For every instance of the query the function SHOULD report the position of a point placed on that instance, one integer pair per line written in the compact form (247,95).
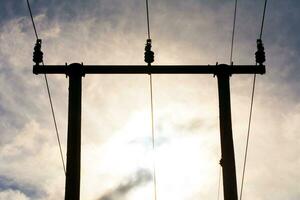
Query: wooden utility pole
(76,71)
(227,148)
(72,187)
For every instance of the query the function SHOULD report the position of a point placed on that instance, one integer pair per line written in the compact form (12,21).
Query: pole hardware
(37,53)
(260,56)
(149,55)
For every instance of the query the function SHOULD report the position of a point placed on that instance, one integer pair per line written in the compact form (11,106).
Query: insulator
(38,54)
(260,53)
(149,55)
(221,162)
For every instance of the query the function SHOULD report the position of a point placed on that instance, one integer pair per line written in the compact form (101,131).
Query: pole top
(75,69)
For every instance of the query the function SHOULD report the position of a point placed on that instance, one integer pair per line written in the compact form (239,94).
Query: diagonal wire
(33,24)
(251,108)
(49,94)
(55,124)
(248,136)
(263,19)
(233,32)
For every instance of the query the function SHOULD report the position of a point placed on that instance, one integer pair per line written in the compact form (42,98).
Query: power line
(251,108)
(219,184)
(231,55)
(149,60)
(49,94)
(263,20)
(248,136)
(33,24)
(153,138)
(55,124)
(233,31)
(148,20)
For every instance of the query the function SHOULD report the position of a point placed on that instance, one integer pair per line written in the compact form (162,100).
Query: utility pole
(227,148)
(72,187)
(76,71)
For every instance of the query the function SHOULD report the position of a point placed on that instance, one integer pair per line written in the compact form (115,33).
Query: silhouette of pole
(72,187)
(227,161)
(76,71)
(154,69)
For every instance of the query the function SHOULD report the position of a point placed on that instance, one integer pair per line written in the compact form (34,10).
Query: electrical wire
(148,20)
(152,109)
(33,24)
(233,32)
(251,109)
(219,184)
(230,60)
(49,94)
(55,124)
(153,138)
(263,19)
(248,136)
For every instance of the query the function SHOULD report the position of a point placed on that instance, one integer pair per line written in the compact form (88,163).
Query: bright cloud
(117,157)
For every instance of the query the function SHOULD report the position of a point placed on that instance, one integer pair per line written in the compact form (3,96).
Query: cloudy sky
(117,157)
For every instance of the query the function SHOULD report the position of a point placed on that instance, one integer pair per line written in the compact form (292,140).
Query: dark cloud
(66,10)
(141,177)
(12,9)
(193,28)
(30,191)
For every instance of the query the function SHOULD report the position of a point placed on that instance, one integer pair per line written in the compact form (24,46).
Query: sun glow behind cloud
(116,150)
(183,161)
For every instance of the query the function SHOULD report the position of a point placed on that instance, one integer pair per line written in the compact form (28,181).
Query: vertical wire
(231,62)
(49,94)
(153,138)
(219,184)
(148,20)
(152,109)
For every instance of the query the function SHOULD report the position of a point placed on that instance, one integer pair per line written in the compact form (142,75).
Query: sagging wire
(38,58)
(260,59)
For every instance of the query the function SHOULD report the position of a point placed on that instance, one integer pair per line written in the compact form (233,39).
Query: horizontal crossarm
(155,69)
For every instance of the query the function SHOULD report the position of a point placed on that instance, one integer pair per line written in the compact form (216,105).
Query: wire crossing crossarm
(155,69)
(76,71)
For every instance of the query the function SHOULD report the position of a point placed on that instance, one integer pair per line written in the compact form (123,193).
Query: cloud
(114,32)
(12,195)
(26,159)
(9,187)
(140,178)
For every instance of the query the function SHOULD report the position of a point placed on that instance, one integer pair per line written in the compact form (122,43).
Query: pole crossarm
(76,71)
(155,69)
